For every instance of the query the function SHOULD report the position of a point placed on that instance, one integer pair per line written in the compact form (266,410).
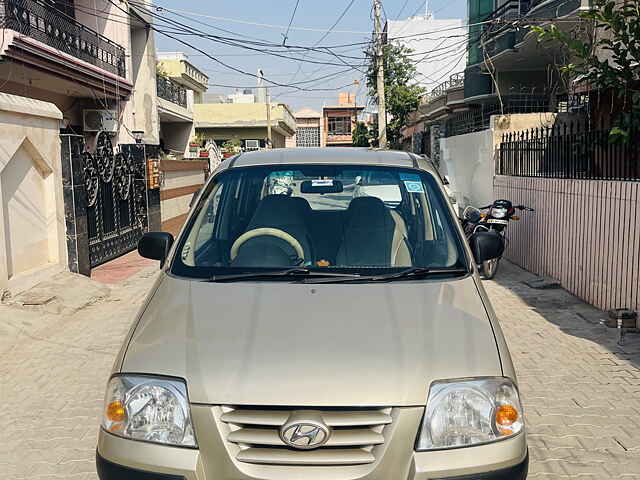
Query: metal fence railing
(454,81)
(569,150)
(169,90)
(41,21)
(478,117)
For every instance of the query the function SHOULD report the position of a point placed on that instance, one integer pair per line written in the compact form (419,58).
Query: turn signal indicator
(116,412)
(506,415)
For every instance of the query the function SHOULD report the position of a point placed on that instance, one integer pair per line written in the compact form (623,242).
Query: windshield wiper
(413,272)
(289,272)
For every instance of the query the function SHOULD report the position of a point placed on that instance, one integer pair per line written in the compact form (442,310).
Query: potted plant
(231,148)
(195,143)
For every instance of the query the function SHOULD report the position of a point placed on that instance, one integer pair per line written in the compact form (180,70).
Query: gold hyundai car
(307,324)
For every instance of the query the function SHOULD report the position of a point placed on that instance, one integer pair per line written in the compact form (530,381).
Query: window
(339,125)
(308,137)
(319,216)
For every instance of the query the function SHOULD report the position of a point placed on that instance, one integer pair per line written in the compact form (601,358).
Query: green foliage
(160,70)
(232,146)
(610,60)
(402,94)
(361,135)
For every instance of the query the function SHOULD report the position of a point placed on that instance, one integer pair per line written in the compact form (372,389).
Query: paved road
(581,390)
(53,370)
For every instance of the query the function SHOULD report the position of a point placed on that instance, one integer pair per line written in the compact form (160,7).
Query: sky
(310,14)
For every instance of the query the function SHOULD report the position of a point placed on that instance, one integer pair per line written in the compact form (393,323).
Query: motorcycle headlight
(498,212)
(150,409)
(470,412)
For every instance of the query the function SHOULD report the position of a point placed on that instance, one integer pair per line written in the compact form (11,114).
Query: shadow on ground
(569,313)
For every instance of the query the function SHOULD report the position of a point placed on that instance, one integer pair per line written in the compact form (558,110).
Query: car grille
(356,435)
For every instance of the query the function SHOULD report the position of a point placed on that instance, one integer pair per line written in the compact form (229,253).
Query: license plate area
(498,221)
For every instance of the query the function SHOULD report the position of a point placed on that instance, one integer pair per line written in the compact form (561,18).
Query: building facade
(309,132)
(180,85)
(80,128)
(339,121)
(507,72)
(438,46)
(245,124)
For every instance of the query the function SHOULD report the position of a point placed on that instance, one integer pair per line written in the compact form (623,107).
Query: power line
(245,44)
(404,5)
(232,42)
(262,51)
(386,17)
(326,34)
(335,24)
(256,24)
(230,67)
(286,34)
(317,47)
(184,29)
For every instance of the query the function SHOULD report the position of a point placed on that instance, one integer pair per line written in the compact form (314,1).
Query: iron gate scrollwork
(116,188)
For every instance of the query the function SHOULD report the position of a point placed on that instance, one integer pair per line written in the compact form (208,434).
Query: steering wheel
(270,232)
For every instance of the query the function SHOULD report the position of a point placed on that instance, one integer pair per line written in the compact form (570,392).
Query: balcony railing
(455,80)
(171,91)
(504,15)
(43,22)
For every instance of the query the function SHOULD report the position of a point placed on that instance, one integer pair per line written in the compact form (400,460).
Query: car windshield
(350,219)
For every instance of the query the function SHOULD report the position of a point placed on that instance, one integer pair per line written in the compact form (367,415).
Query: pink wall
(585,233)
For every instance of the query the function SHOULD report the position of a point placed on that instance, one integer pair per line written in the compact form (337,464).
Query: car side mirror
(193,197)
(358,180)
(486,246)
(155,245)
(471,214)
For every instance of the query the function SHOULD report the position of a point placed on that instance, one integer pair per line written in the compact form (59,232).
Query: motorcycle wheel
(490,268)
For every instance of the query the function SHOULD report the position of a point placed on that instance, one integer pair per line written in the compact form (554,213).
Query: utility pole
(269,120)
(382,107)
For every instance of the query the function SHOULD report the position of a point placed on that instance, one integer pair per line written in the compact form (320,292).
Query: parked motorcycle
(499,214)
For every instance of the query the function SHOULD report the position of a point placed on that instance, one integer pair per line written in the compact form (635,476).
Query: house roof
(307,113)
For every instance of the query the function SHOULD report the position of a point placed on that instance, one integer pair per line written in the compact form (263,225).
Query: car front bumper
(119,458)
(111,471)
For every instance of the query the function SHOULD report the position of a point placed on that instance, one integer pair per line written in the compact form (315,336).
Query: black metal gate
(115,183)
(106,199)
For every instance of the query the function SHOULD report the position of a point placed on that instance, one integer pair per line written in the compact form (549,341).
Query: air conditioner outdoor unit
(100,120)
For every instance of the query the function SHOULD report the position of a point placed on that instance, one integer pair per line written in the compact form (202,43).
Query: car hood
(283,343)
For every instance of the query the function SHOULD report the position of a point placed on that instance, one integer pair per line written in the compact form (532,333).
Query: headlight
(149,409)
(470,412)
(498,212)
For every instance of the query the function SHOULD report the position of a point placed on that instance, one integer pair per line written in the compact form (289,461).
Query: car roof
(329,156)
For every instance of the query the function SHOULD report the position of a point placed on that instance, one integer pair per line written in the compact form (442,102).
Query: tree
(402,94)
(361,135)
(609,60)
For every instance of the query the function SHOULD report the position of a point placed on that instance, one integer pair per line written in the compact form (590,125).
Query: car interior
(242,224)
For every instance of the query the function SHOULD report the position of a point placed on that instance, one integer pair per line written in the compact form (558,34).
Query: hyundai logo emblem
(304,435)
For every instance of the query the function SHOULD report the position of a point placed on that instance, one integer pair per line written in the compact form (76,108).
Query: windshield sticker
(411,177)
(322,183)
(414,187)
